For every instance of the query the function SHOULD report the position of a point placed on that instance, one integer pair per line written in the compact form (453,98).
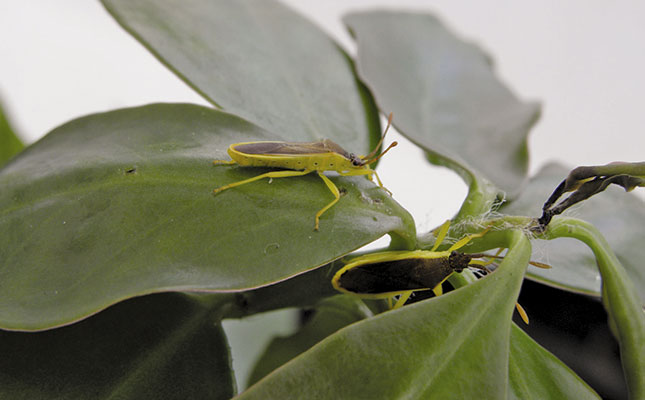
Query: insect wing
(395,275)
(290,148)
(334,148)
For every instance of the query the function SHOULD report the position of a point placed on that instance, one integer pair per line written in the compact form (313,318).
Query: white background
(582,59)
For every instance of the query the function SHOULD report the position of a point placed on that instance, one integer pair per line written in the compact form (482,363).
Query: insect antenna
(476,263)
(380,155)
(370,158)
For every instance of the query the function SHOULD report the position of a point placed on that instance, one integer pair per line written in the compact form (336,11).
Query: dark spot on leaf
(131,170)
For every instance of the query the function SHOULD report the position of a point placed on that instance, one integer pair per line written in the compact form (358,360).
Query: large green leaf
(120,204)
(329,315)
(451,346)
(304,290)
(537,374)
(9,142)
(259,60)
(618,215)
(444,95)
(164,346)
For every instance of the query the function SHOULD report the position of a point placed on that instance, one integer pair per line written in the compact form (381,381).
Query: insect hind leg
(273,174)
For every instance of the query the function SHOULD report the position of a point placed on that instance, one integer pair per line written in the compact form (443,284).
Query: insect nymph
(299,159)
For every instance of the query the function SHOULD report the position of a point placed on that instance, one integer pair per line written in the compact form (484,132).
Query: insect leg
(402,299)
(404,296)
(379,182)
(441,235)
(332,187)
(369,173)
(377,178)
(273,174)
(224,162)
(522,313)
(464,241)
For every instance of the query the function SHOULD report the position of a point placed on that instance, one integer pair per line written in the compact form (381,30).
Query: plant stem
(623,305)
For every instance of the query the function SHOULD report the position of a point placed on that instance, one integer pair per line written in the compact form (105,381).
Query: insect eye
(356,161)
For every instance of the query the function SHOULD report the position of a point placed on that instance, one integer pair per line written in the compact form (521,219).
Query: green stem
(480,198)
(619,168)
(481,193)
(619,298)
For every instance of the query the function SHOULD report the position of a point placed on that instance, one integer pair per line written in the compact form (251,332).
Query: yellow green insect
(299,159)
(388,274)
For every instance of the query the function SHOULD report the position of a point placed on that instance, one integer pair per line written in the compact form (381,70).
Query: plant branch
(585,182)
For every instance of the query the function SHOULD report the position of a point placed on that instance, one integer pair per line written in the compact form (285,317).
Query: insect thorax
(459,261)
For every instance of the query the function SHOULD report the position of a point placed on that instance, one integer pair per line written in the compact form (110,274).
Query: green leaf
(619,216)
(444,95)
(328,316)
(537,374)
(303,290)
(165,346)
(451,346)
(10,145)
(120,204)
(261,61)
